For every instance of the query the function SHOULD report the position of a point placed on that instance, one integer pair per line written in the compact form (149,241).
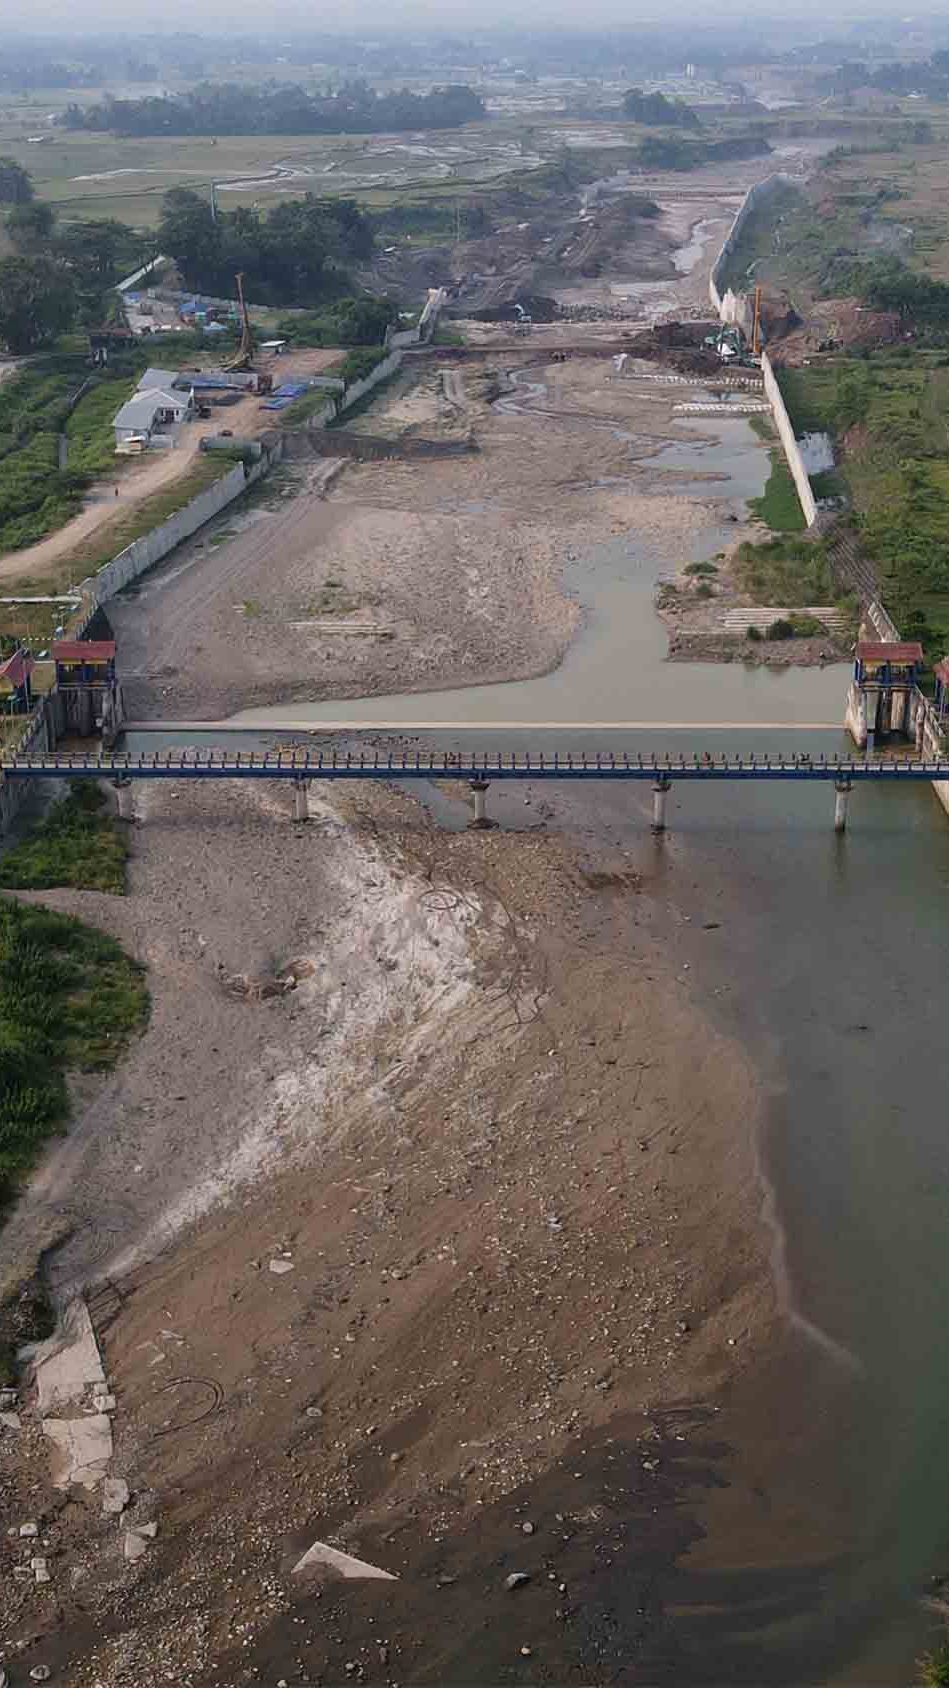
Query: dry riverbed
(425,1210)
(416,574)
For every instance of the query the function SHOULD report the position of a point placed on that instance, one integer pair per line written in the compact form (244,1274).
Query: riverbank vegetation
(36,407)
(76,843)
(779,506)
(70,1000)
(888,413)
(791,572)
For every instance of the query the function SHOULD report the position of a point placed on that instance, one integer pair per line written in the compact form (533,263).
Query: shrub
(781,629)
(700,568)
(76,844)
(935,1667)
(755,635)
(704,590)
(69,999)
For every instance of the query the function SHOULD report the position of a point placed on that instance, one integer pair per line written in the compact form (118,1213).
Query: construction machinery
(756,325)
(245,350)
(732,347)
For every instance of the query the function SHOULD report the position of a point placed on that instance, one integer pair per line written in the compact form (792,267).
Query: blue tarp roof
(291,389)
(277,404)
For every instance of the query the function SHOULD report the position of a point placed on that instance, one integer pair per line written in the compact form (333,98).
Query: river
(830,968)
(827,961)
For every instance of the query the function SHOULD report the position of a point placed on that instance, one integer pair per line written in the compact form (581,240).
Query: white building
(149,412)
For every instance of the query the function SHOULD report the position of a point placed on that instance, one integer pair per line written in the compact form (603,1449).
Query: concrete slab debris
(343,1563)
(281,1266)
(84,1446)
(68,1362)
(29,1529)
(138,1538)
(40,1569)
(115,1494)
(10,1421)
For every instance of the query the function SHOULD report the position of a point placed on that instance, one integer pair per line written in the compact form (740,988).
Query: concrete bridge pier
(660,798)
(479,821)
(842,789)
(301,800)
(123,798)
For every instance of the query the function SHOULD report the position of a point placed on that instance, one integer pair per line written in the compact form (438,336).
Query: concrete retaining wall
(382,371)
(144,553)
(36,736)
(782,422)
(739,308)
(426,325)
(882,624)
(721,296)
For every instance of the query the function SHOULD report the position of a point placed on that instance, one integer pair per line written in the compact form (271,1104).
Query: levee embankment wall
(145,552)
(739,308)
(792,451)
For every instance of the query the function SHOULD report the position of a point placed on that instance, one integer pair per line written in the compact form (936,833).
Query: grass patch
(70,1000)
(36,495)
(790,572)
(890,412)
(307,405)
(75,844)
(131,523)
(779,506)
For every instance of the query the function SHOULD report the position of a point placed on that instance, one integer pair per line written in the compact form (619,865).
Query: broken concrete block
(68,1362)
(150,1529)
(29,1529)
(278,1267)
(115,1494)
(343,1563)
(135,1545)
(103,1403)
(84,1446)
(40,1570)
(10,1421)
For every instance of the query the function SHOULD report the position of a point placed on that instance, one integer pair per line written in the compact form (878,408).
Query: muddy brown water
(822,1512)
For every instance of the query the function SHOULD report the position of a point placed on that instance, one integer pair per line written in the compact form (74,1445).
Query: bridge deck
(551,765)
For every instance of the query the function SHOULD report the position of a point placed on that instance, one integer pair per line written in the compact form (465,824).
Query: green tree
(37,302)
(16,187)
(30,225)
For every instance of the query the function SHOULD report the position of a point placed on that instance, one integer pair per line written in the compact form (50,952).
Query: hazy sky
(244,16)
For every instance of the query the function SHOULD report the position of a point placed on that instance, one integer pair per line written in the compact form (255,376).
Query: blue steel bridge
(478,768)
(475,766)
